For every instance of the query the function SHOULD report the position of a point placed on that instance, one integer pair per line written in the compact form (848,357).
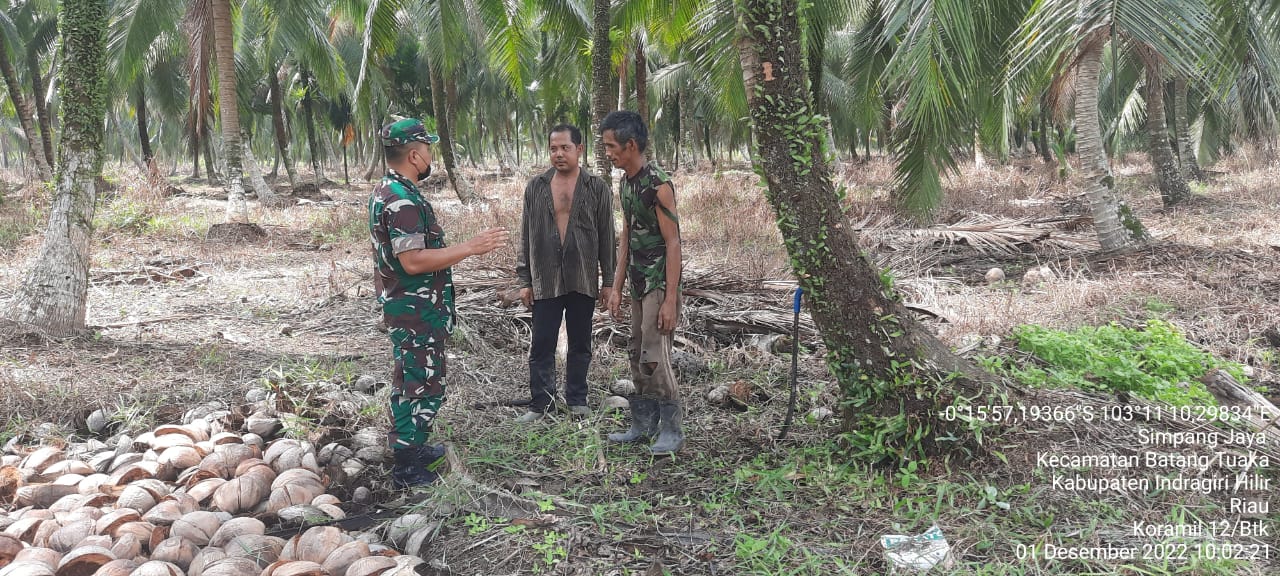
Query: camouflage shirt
(639,199)
(418,308)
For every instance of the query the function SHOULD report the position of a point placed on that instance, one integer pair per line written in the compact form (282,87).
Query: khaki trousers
(650,350)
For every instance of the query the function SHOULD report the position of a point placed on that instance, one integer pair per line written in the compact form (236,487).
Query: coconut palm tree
(601,81)
(1074,36)
(198,24)
(146,61)
(52,296)
(1173,187)
(229,110)
(448,29)
(25,106)
(870,335)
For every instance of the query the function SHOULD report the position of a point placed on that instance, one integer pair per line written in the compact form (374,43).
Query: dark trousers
(576,311)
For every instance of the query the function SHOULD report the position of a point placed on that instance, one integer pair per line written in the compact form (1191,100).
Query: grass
(18,219)
(1155,362)
(340,225)
(807,509)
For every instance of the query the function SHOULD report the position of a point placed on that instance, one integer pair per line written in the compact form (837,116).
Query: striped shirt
(553,268)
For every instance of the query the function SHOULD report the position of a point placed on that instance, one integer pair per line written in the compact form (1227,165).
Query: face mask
(424,174)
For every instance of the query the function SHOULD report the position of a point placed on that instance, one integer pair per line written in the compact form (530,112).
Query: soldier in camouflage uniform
(650,244)
(413,269)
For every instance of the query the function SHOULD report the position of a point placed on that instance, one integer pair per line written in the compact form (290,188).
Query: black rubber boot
(644,421)
(670,429)
(431,455)
(410,469)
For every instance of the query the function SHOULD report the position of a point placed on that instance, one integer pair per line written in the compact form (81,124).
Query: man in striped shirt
(566,248)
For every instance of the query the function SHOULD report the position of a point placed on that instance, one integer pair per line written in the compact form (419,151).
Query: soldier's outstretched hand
(487,241)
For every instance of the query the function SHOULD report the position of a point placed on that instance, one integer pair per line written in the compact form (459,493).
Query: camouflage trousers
(417,391)
(650,350)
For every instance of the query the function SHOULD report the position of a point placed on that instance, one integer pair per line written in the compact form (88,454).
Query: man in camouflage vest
(650,243)
(413,269)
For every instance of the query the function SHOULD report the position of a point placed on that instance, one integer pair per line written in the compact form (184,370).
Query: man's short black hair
(397,153)
(575,135)
(626,125)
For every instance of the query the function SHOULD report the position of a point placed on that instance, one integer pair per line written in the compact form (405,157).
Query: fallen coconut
(9,547)
(236,527)
(623,387)
(157,568)
(204,559)
(47,556)
(176,551)
(304,515)
(27,569)
(344,556)
(117,567)
(295,568)
(84,561)
(614,404)
(69,536)
(261,549)
(197,527)
(371,566)
(41,458)
(820,414)
(128,545)
(315,544)
(231,566)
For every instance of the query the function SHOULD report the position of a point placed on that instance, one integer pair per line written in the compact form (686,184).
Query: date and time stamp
(1207,457)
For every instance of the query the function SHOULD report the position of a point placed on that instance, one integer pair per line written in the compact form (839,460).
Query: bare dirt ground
(178,319)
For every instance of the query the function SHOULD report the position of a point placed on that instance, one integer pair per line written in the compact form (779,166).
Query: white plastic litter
(919,553)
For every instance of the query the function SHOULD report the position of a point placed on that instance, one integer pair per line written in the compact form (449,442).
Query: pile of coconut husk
(216,495)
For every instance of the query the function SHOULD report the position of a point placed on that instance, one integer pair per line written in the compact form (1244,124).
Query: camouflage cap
(406,130)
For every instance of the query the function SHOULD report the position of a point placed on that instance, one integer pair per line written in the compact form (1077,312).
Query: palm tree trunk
(24,112)
(1182,125)
(1173,188)
(1115,223)
(206,146)
(375,158)
(979,160)
(265,194)
(1042,138)
(154,177)
(195,154)
(601,87)
(623,92)
(42,111)
(277,122)
(229,107)
(451,102)
(677,121)
(53,294)
(140,110)
(440,105)
(642,82)
(706,143)
(868,332)
(310,123)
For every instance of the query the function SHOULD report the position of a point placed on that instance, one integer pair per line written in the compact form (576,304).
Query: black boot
(431,455)
(644,421)
(670,429)
(410,469)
